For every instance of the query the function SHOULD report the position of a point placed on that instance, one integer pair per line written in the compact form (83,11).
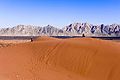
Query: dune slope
(61,59)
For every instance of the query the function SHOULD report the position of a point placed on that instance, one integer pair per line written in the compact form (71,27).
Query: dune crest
(45,38)
(61,59)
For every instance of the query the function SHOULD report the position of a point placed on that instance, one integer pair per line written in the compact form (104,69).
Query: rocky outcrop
(22,30)
(76,29)
(102,30)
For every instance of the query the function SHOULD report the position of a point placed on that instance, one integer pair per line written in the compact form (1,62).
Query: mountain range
(75,29)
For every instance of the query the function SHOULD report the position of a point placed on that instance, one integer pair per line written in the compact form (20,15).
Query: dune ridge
(61,59)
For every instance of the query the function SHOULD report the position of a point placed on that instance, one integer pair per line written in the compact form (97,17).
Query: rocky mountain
(76,29)
(93,30)
(23,30)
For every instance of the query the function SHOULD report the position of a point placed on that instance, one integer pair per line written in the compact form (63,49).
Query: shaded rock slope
(76,29)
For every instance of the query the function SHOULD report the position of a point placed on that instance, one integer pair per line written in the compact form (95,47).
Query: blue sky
(58,13)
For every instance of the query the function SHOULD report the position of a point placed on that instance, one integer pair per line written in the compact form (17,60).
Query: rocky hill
(93,30)
(23,30)
(76,29)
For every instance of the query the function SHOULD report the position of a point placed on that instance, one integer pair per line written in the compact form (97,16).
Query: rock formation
(93,30)
(76,29)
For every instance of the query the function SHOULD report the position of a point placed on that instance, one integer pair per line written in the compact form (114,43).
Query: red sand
(6,43)
(61,59)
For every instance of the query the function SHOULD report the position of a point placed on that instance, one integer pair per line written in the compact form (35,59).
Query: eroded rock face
(93,30)
(76,29)
(22,30)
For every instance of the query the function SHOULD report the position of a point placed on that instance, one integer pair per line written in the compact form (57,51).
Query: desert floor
(49,58)
(6,43)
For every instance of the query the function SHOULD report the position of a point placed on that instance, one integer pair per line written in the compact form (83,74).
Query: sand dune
(61,59)
(45,38)
(6,43)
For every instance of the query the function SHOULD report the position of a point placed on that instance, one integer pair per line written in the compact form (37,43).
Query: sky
(58,13)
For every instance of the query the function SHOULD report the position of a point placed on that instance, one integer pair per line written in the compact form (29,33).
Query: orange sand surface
(6,43)
(61,59)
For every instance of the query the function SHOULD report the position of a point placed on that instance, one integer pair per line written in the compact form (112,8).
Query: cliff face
(93,30)
(76,29)
(22,30)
